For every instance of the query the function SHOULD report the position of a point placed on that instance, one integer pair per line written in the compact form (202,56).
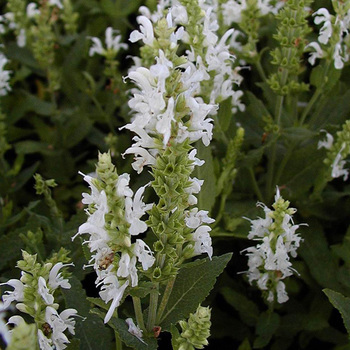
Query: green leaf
(267,325)
(143,289)
(245,345)
(130,340)
(192,286)
(341,303)
(175,334)
(225,114)
(74,345)
(247,309)
(318,257)
(206,197)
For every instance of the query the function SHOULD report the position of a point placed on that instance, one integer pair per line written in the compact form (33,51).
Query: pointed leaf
(341,303)
(266,327)
(192,286)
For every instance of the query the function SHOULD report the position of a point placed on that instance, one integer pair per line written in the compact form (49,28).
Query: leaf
(225,114)
(143,289)
(319,259)
(245,345)
(91,331)
(175,334)
(76,129)
(266,327)
(206,197)
(130,340)
(247,309)
(341,303)
(192,286)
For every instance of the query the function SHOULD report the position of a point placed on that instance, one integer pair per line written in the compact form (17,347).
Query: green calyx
(195,331)
(291,35)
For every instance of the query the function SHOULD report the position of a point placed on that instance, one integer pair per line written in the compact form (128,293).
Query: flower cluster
(34,295)
(168,115)
(337,152)
(195,331)
(114,213)
(269,261)
(333,38)
(4,76)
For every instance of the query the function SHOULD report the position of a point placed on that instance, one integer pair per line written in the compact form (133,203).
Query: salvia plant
(174,174)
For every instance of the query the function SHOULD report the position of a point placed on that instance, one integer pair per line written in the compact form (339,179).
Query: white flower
(127,267)
(144,254)
(338,166)
(134,330)
(142,158)
(4,331)
(122,186)
(57,3)
(322,16)
(4,76)
(164,121)
(32,10)
(59,323)
(22,38)
(202,241)
(55,278)
(318,53)
(113,43)
(146,31)
(44,343)
(15,295)
(195,218)
(328,143)
(112,290)
(44,291)
(195,187)
(282,296)
(134,209)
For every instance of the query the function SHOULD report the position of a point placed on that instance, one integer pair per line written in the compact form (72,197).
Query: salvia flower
(34,294)
(269,261)
(4,76)
(112,41)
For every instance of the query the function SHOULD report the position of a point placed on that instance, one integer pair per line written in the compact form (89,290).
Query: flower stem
(138,312)
(255,185)
(118,342)
(152,311)
(165,299)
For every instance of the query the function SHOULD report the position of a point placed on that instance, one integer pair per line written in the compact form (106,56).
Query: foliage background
(58,133)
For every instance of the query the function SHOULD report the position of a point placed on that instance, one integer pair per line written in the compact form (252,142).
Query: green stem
(118,342)
(260,70)
(255,185)
(314,98)
(138,312)
(221,209)
(316,94)
(284,163)
(152,310)
(270,171)
(165,299)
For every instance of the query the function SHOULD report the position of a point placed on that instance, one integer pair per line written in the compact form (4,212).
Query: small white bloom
(144,254)
(322,16)
(44,291)
(44,343)
(202,241)
(55,278)
(15,295)
(282,295)
(122,186)
(318,53)
(4,331)
(327,143)
(57,3)
(338,166)
(32,10)
(4,76)
(146,31)
(127,267)
(134,330)
(112,290)
(195,218)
